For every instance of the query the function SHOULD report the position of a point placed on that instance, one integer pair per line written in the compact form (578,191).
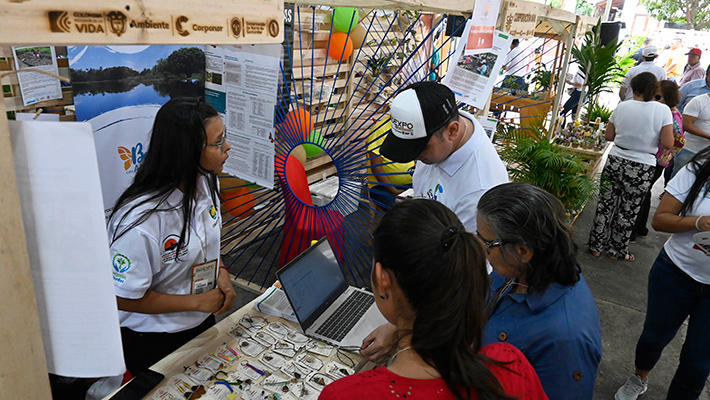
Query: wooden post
(24,363)
(561,82)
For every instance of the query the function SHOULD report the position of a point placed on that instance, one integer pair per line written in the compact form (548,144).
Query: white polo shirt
(680,247)
(645,66)
(144,258)
(698,107)
(459,181)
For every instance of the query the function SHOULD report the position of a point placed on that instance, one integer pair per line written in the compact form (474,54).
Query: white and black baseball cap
(418,111)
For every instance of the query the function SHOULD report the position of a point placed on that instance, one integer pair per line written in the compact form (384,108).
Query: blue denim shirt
(690,90)
(559,332)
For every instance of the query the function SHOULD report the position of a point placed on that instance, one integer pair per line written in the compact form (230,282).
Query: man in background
(693,89)
(515,66)
(649,54)
(693,70)
(674,62)
(638,55)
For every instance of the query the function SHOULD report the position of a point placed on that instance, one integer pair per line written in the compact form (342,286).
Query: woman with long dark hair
(636,127)
(429,280)
(164,235)
(679,285)
(540,302)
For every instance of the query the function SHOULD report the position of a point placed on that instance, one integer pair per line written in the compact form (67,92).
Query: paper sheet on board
(241,82)
(36,87)
(471,77)
(62,209)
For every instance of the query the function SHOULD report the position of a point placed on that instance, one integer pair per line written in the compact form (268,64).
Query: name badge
(204,277)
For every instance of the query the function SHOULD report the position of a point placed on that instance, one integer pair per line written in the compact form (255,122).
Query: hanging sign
(483,22)
(519,18)
(143,21)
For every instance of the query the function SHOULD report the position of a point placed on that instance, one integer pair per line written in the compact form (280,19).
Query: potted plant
(598,64)
(534,158)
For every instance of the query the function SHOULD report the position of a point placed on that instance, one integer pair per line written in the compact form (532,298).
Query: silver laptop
(326,307)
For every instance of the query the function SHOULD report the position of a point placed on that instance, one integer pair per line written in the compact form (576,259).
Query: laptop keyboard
(346,316)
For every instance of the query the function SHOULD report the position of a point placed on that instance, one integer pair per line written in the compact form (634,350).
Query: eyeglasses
(491,243)
(219,144)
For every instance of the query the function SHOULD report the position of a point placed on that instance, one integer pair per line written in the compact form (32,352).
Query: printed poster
(118,90)
(36,87)
(242,83)
(472,76)
(481,31)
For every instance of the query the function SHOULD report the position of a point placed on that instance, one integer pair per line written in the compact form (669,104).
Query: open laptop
(326,307)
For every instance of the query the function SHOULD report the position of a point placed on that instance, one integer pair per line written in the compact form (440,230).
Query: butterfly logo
(133,157)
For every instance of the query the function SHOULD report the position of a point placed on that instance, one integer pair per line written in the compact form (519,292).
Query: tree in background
(693,12)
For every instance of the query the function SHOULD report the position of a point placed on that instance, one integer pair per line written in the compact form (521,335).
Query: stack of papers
(274,302)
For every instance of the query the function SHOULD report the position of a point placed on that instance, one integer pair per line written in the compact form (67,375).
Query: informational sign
(36,87)
(480,31)
(137,21)
(241,83)
(119,89)
(519,18)
(489,125)
(472,76)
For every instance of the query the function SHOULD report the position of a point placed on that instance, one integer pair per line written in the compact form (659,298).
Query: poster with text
(242,83)
(118,90)
(34,86)
(472,76)
(480,33)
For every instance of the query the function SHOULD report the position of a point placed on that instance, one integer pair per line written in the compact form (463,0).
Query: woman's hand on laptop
(379,344)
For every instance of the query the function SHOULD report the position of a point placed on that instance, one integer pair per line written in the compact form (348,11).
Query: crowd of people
(477,277)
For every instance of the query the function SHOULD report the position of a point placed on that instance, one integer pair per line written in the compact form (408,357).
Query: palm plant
(532,157)
(598,64)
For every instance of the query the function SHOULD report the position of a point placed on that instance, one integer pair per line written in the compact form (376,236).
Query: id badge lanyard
(204,275)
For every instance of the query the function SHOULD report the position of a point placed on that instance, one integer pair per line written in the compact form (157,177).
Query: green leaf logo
(121,263)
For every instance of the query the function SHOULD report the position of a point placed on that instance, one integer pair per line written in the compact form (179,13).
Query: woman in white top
(635,127)
(679,285)
(165,236)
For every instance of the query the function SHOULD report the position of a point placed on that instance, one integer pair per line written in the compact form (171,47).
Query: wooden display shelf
(529,109)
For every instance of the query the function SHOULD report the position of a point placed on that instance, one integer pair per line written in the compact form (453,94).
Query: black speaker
(610,32)
(455,25)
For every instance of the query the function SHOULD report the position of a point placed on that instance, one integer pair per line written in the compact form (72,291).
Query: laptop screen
(312,282)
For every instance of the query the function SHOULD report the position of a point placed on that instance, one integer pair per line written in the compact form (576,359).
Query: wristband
(697,221)
(222,266)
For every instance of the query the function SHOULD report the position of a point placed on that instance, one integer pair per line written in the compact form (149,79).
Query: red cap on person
(695,51)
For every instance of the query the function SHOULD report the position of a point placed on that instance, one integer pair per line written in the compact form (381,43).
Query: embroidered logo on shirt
(432,194)
(213,212)
(121,263)
(170,244)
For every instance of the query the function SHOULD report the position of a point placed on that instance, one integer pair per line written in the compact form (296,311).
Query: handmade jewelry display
(266,360)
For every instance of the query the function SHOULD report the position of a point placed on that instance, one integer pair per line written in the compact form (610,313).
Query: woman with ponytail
(429,280)
(539,303)
(636,127)
(164,235)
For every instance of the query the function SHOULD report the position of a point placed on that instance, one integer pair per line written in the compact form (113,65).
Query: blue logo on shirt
(433,194)
(121,263)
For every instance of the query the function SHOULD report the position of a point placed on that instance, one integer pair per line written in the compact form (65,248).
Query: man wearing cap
(638,55)
(650,53)
(456,162)
(693,70)
(693,89)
